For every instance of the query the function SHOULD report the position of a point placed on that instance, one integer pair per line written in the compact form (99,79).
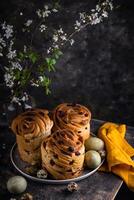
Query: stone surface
(98,186)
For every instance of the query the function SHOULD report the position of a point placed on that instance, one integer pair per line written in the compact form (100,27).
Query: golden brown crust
(74,117)
(31,127)
(63,154)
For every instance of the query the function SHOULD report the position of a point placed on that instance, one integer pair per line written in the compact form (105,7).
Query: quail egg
(92,159)
(16,184)
(94,143)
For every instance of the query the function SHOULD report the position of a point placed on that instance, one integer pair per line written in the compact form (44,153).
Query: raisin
(60,142)
(55,156)
(69,170)
(71,149)
(27,141)
(28,152)
(70,163)
(61,113)
(65,152)
(54,136)
(41,113)
(77,153)
(29,119)
(52,162)
(81,113)
(36,148)
(44,145)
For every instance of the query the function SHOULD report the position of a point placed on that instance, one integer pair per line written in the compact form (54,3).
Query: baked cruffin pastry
(74,117)
(63,154)
(31,127)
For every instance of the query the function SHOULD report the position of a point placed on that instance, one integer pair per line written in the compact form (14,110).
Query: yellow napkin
(119,152)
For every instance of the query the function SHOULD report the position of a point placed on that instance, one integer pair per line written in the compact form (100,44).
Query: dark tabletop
(99,186)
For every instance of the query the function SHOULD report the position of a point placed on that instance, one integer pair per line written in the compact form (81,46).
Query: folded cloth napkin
(119,152)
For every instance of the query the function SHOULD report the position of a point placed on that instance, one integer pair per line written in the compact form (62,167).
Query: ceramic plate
(21,167)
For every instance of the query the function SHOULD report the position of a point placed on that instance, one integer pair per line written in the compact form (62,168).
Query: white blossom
(49,50)
(9,79)
(77,25)
(98,8)
(60,31)
(105,14)
(72,42)
(46,7)
(111,5)
(96,20)
(34,84)
(29,22)
(3,25)
(93,10)
(56,46)
(1,54)
(55,10)
(82,17)
(2,42)
(43,27)
(23,98)
(8,30)
(46,13)
(55,37)
(11,44)
(63,37)
(16,65)
(41,79)
(11,54)
(15,100)
(25,48)
(21,13)
(39,13)
(43,13)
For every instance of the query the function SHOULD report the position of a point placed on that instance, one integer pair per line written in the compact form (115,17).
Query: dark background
(98,70)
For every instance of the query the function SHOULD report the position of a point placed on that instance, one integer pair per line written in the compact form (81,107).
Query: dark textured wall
(98,70)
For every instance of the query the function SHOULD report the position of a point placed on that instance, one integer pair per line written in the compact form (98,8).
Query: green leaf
(57,53)
(17,74)
(50,64)
(41,69)
(33,57)
(47,90)
(21,55)
(53,61)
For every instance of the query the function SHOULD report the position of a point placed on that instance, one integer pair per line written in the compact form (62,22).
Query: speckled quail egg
(102,153)
(94,143)
(92,159)
(16,184)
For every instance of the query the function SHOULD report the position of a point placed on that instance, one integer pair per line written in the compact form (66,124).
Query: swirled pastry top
(63,154)
(71,116)
(32,123)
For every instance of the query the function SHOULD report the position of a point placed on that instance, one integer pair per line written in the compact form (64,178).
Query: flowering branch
(96,16)
(27,66)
